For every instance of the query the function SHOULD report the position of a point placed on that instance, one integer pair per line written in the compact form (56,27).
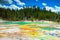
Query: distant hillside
(27,13)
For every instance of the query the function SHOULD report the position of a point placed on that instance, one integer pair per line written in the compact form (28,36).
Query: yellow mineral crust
(30,31)
(3,35)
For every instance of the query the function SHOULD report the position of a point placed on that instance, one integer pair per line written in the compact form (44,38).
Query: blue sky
(54,5)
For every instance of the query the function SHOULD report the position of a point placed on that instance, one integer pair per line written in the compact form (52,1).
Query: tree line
(28,13)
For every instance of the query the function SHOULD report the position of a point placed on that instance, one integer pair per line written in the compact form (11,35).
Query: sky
(53,5)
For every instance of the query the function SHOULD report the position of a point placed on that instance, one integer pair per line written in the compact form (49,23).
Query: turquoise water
(49,28)
(16,22)
(25,23)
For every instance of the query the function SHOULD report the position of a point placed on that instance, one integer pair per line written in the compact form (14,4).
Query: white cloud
(10,1)
(57,7)
(13,6)
(44,4)
(50,8)
(6,1)
(3,6)
(19,2)
(53,9)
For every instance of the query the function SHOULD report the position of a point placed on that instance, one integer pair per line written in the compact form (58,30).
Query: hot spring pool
(30,31)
